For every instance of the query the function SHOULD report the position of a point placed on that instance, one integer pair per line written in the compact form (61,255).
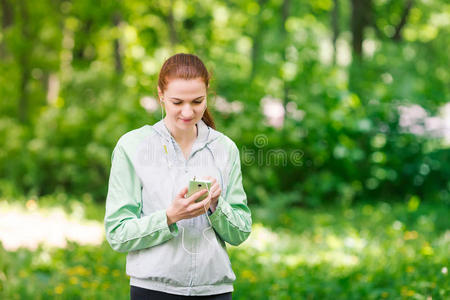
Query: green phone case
(198,185)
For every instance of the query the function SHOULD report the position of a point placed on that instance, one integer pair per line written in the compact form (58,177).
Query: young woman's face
(184,101)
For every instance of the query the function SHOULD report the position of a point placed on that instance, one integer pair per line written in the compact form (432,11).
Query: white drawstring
(204,230)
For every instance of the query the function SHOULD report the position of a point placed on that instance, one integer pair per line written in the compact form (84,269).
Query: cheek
(172,110)
(201,109)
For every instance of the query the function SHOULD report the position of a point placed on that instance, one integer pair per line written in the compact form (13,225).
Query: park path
(28,226)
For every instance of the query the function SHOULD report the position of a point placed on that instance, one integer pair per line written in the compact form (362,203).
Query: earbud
(162,110)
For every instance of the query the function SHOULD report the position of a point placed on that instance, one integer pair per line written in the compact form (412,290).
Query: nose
(187,112)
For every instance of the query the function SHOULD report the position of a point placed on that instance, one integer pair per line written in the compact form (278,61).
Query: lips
(186,120)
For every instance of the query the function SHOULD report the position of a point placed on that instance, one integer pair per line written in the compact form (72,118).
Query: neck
(181,136)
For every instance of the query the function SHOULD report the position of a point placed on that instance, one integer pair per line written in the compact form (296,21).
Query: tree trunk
(335,26)
(7,20)
(357,26)
(23,59)
(284,17)
(81,37)
(172,29)
(361,18)
(116,46)
(8,13)
(256,45)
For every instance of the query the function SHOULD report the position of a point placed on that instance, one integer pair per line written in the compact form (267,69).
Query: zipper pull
(169,163)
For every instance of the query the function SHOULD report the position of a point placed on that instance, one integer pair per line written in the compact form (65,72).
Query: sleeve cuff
(222,209)
(173,228)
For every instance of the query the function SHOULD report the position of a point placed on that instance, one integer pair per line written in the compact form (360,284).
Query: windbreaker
(148,170)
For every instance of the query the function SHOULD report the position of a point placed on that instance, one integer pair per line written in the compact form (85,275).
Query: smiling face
(184,102)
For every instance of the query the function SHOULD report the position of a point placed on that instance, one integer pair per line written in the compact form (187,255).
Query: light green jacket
(148,170)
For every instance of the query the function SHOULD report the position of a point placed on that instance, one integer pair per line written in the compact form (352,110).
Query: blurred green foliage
(72,78)
(368,251)
(73,74)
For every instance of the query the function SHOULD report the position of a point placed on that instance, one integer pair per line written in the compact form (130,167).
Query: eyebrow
(184,100)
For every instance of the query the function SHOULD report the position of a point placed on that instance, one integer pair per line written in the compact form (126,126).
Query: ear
(160,94)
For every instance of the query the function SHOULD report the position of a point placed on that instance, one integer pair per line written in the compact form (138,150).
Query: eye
(177,103)
(198,102)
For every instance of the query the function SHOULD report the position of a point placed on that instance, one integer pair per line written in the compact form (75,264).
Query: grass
(370,251)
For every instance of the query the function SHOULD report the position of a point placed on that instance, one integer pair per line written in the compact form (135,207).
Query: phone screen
(197,185)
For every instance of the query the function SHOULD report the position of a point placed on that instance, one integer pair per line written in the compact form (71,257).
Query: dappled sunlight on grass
(292,250)
(29,225)
(371,251)
(379,251)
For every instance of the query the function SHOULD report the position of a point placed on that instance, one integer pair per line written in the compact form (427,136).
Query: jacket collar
(205,134)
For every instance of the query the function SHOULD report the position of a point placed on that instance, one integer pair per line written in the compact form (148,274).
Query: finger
(217,191)
(212,179)
(207,200)
(198,208)
(196,195)
(205,204)
(183,192)
(216,194)
(214,188)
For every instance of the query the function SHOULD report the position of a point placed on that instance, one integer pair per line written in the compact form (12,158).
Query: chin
(186,125)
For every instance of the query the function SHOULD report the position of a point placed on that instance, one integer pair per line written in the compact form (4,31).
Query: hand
(214,191)
(186,208)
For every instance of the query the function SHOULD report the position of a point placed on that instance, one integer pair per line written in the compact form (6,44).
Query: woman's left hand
(215,192)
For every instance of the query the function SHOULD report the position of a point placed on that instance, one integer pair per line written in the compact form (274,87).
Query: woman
(147,205)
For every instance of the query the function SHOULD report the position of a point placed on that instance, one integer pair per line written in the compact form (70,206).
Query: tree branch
(398,29)
(335,25)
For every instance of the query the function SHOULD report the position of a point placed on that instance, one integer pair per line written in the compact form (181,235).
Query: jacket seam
(139,237)
(231,223)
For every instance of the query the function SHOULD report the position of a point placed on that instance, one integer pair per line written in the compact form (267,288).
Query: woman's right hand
(186,208)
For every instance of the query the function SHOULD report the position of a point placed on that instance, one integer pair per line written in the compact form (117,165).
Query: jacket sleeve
(232,218)
(125,229)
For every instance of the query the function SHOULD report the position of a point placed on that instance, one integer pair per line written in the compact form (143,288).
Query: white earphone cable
(204,205)
(204,230)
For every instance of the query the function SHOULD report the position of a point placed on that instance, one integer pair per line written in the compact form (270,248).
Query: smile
(186,120)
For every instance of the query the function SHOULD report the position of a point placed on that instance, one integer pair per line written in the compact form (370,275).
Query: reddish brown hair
(186,66)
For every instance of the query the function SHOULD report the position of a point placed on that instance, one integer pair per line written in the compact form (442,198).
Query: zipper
(178,152)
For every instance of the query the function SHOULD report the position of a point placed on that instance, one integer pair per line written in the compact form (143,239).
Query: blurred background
(340,108)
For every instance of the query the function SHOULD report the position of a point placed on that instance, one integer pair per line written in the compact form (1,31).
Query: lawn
(369,251)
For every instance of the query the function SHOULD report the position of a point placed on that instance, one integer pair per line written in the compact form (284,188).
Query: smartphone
(196,185)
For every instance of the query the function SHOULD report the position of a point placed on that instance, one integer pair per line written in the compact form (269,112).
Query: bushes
(379,251)
(324,158)
(364,155)
(69,147)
